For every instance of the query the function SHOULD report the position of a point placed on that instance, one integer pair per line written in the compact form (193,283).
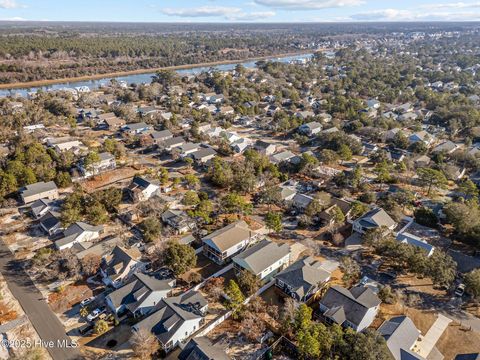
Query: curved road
(48,326)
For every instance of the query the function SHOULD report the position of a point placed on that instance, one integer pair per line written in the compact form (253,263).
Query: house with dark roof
(373,219)
(39,208)
(78,232)
(265,148)
(175,319)
(119,265)
(50,223)
(159,136)
(171,143)
(263,259)
(141,189)
(401,335)
(228,241)
(178,220)
(203,155)
(355,308)
(202,348)
(135,128)
(39,190)
(302,279)
(140,295)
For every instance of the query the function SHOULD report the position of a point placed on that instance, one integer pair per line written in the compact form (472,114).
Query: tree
(350,269)
(214,287)
(472,283)
(468,188)
(303,317)
(368,345)
(91,160)
(425,216)
(386,295)
(345,152)
(234,203)
(358,209)
(252,327)
(150,228)
(84,311)
(432,178)
(235,298)
(248,282)
(442,268)
(101,327)
(179,257)
(191,180)
(97,214)
(190,198)
(90,264)
(63,179)
(273,221)
(144,343)
(193,278)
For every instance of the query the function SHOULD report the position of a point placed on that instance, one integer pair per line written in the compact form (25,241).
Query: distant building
(39,190)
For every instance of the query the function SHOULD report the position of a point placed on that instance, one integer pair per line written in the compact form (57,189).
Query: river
(138,78)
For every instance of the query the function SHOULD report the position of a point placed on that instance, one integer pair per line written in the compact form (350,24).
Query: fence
(217,274)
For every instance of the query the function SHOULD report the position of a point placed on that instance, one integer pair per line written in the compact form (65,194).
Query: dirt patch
(6,314)
(62,301)
(458,340)
(423,320)
(102,180)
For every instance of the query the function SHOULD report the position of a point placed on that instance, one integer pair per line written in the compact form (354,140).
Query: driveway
(425,346)
(45,322)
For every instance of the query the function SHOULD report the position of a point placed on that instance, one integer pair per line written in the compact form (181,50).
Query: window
(280,283)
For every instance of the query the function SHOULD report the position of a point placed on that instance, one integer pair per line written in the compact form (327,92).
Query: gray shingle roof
(230,235)
(399,333)
(262,255)
(38,188)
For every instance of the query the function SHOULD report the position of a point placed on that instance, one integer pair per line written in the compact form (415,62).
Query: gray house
(355,308)
(401,335)
(373,219)
(140,295)
(302,279)
(39,190)
(175,319)
(264,259)
(202,348)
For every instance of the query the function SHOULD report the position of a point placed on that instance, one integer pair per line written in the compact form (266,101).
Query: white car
(87,301)
(460,290)
(94,314)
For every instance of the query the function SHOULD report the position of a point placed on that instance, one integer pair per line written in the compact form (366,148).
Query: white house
(39,190)
(78,232)
(228,241)
(140,295)
(310,128)
(264,259)
(355,308)
(141,189)
(175,319)
(119,265)
(107,162)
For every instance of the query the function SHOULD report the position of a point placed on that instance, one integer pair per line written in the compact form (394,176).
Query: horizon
(240,11)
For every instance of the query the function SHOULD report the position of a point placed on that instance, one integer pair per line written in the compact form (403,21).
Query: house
(202,348)
(265,148)
(141,189)
(50,223)
(301,201)
(284,156)
(413,240)
(263,259)
(175,319)
(228,241)
(39,190)
(39,208)
(203,155)
(147,110)
(100,249)
(241,145)
(78,232)
(186,149)
(302,279)
(136,128)
(140,295)
(373,103)
(310,128)
(66,144)
(119,265)
(330,214)
(160,136)
(178,220)
(114,123)
(226,110)
(401,334)
(171,143)
(355,308)
(373,219)
(422,161)
(107,162)
(446,147)
(421,136)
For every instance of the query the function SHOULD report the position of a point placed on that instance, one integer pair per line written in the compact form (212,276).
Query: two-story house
(175,319)
(107,162)
(141,189)
(264,259)
(119,265)
(140,295)
(228,241)
(373,219)
(39,190)
(78,232)
(355,308)
(302,279)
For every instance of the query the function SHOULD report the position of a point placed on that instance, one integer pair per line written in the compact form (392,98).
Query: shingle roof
(302,275)
(400,333)
(37,188)
(230,235)
(262,255)
(202,348)
(376,218)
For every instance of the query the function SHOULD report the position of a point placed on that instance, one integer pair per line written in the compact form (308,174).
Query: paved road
(45,322)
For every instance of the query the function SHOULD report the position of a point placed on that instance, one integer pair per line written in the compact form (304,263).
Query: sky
(239,10)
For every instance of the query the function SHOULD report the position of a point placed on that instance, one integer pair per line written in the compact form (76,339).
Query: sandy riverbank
(39,83)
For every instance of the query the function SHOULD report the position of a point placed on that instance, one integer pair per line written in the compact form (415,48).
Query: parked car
(87,301)
(460,290)
(95,314)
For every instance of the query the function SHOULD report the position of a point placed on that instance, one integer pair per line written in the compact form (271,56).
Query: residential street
(41,316)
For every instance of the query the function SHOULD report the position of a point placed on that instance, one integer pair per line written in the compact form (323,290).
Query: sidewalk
(425,344)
